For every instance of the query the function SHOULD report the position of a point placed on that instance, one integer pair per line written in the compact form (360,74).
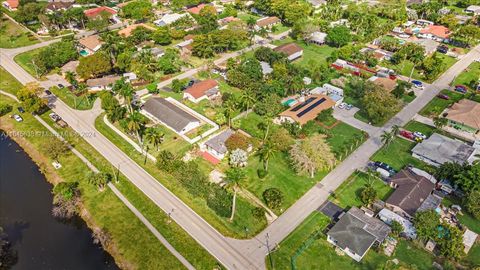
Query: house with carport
(207,89)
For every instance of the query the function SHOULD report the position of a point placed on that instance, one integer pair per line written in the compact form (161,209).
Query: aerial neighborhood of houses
(249,110)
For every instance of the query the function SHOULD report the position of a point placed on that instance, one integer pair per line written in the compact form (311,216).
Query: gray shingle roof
(217,143)
(357,231)
(168,113)
(441,149)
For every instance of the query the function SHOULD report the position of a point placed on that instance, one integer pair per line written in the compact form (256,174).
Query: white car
(342,105)
(55,117)
(17,118)
(419,135)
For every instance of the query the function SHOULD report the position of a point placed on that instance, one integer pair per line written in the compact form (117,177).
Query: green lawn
(8,83)
(348,194)
(13,35)
(245,16)
(470,77)
(280,28)
(83,102)
(437,105)
(345,139)
(473,257)
(250,125)
(243,217)
(25,61)
(417,126)
(398,155)
(281,176)
(413,257)
(311,52)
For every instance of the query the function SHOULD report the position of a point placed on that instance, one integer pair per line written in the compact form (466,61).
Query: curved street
(232,253)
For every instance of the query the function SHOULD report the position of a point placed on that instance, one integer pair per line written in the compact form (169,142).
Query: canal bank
(40,240)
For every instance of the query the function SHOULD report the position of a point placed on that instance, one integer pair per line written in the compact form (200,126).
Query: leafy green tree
(55,55)
(177,85)
(100,179)
(162,36)
(426,223)
(29,98)
(232,179)
(451,245)
(55,148)
(266,152)
(378,105)
(207,19)
(5,108)
(433,66)
(99,23)
(94,65)
(469,178)
(469,33)
(368,195)
(28,12)
(273,197)
(440,122)
(138,10)
(401,88)
(170,62)
(280,139)
(472,203)
(154,137)
(396,227)
(338,36)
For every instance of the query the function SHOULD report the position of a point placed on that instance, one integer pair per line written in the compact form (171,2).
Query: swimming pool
(289,102)
(83,53)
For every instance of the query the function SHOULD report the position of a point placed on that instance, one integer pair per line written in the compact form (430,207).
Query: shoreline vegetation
(103,210)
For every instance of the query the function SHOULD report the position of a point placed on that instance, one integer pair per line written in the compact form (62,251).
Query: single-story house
(436,32)
(317,38)
(333,92)
(306,110)
(429,45)
(464,115)
(438,149)
(129,76)
(207,89)
(386,83)
(196,9)
(11,5)
(267,22)
(356,232)
(70,67)
(227,20)
(469,238)
(475,10)
(266,68)
(317,3)
(127,31)
(57,6)
(389,216)
(169,19)
(411,190)
(167,113)
(103,83)
(292,50)
(157,52)
(93,13)
(91,44)
(216,144)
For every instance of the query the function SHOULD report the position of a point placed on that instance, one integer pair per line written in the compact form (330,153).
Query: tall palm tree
(395,129)
(135,124)
(247,99)
(387,138)
(265,153)
(153,136)
(232,179)
(126,92)
(230,107)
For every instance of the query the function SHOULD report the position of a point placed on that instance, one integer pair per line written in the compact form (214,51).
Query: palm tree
(440,122)
(230,107)
(125,90)
(135,123)
(247,99)
(265,153)
(154,136)
(232,179)
(395,129)
(387,138)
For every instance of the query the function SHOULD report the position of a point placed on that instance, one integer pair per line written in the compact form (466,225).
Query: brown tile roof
(436,30)
(309,109)
(466,112)
(411,190)
(94,12)
(196,9)
(288,48)
(13,3)
(199,89)
(267,21)
(127,31)
(91,42)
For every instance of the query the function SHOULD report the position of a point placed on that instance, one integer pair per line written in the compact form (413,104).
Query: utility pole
(268,249)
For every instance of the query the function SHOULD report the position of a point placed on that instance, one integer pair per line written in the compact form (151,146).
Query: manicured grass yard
(25,61)
(417,126)
(8,83)
(404,68)
(311,52)
(13,35)
(472,74)
(437,105)
(82,102)
(345,138)
(348,194)
(250,123)
(398,155)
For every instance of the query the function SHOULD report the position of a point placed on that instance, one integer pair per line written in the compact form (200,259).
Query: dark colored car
(60,85)
(20,109)
(48,93)
(385,166)
(461,88)
(442,96)
(442,49)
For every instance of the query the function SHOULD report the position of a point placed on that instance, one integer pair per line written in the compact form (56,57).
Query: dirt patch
(328,127)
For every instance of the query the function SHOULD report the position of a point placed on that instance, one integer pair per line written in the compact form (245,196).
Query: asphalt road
(232,253)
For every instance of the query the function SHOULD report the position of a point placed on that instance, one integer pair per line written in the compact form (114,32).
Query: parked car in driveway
(20,109)
(60,85)
(385,166)
(349,106)
(442,49)
(17,118)
(48,92)
(418,134)
(342,105)
(407,134)
(443,96)
(461,88)
(418,84)
(55,117)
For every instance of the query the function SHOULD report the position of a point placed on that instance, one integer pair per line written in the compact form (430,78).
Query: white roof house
(389,216)
(266,68)
(318,37)
(473,9)
(169,19)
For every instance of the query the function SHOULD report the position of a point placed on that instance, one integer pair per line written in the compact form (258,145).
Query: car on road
(55,117)
(17,118)
(443,96)
(407,134)
(20,109)
(60,86)
(461,88)
(48,92)
(418,84)
(442,49)
(420,135)
(384,166)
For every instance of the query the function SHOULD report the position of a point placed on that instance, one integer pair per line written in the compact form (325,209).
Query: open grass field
(83,102)
(243,216)
(8,83)
(312,53)
(25,61)
(13,35)
(405,67)
(437,105)
(250,124)
(470,76)
(417,126)
(345,138)
(398,155)
(348,194)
